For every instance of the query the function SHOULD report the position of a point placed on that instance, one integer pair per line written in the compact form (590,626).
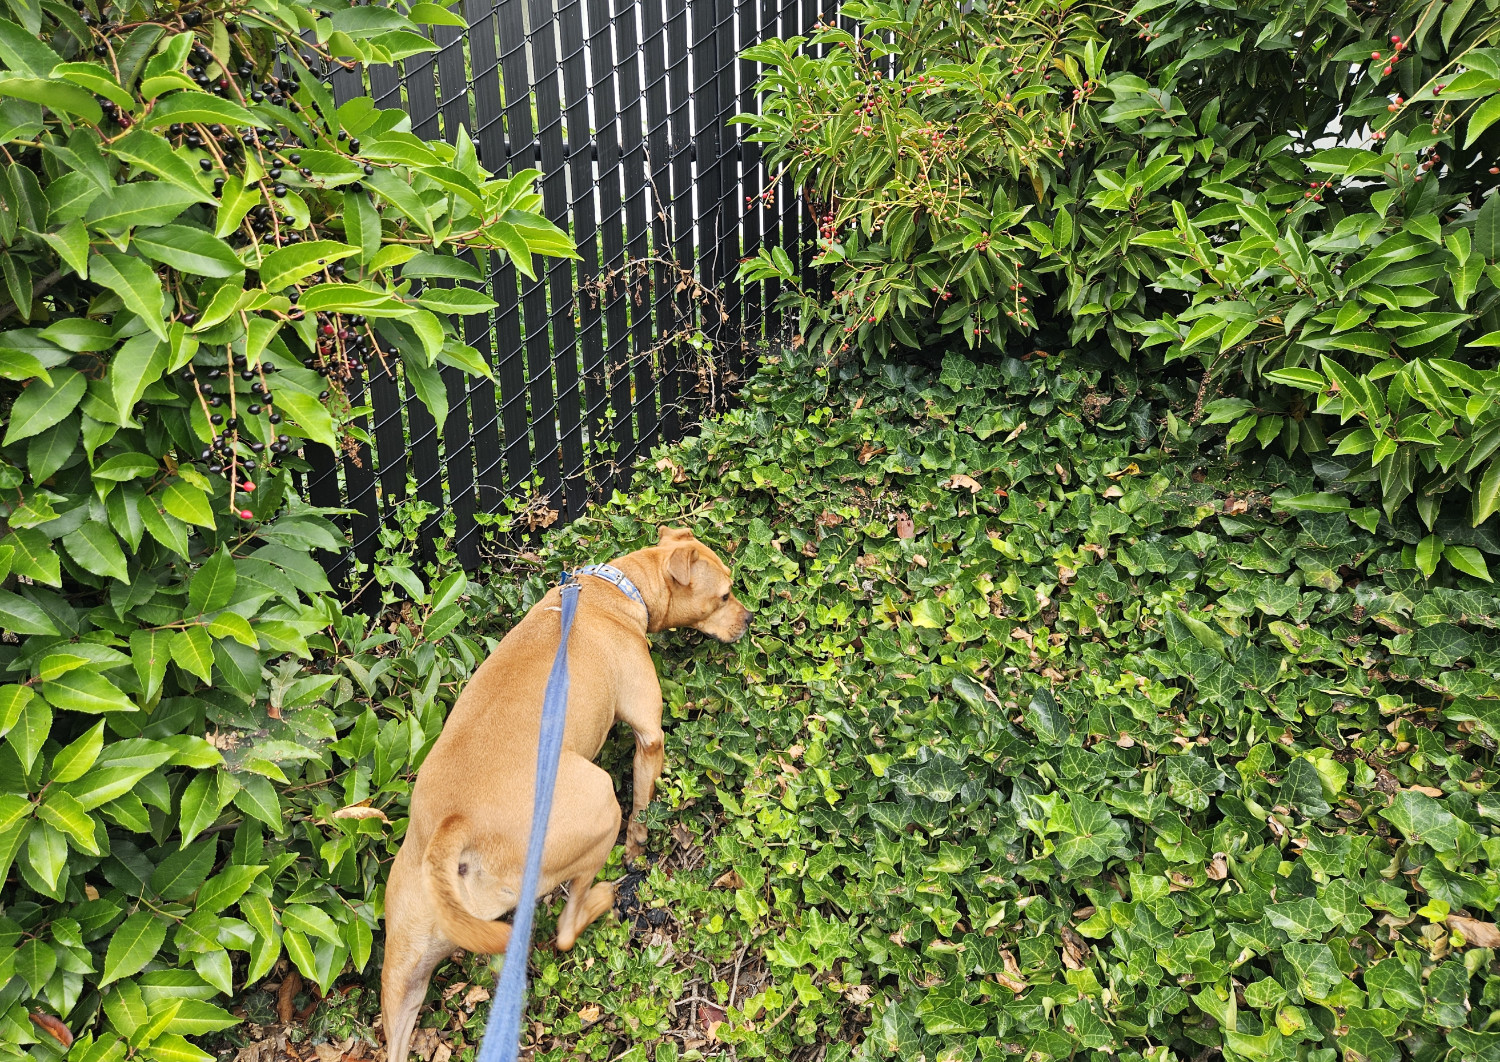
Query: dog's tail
(444,854)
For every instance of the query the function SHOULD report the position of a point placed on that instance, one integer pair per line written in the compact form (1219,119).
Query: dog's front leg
(643,714)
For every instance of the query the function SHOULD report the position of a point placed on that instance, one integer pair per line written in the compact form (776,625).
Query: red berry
(1374,55)
(1387,70)
(246,514)
(1395,38)
(328,330)
(248,488)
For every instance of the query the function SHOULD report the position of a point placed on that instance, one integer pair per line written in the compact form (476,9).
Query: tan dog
(459,867)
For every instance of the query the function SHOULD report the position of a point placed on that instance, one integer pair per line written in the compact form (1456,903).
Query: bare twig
(39,289)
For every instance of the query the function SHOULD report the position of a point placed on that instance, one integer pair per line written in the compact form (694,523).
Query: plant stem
(37,291)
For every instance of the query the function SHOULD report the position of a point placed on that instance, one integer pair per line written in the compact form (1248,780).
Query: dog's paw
(635,841)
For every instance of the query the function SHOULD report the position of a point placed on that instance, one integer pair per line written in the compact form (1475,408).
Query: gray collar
(611,574)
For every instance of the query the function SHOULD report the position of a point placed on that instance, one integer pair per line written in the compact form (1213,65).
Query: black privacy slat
(580,417)
(623,105)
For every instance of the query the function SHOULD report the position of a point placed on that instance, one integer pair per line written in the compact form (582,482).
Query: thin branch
(41,287)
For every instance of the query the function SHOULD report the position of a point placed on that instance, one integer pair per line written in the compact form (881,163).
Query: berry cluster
(1390,65)
(228,453)
(345,345)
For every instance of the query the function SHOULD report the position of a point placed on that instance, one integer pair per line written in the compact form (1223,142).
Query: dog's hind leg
(413,948)
(596,819)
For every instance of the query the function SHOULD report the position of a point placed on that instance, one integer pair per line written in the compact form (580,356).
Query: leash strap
(502,1037)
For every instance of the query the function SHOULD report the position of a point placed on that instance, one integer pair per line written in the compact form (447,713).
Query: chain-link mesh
(624,105)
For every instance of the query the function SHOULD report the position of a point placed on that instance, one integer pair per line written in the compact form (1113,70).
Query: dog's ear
(672,534)
(680,564)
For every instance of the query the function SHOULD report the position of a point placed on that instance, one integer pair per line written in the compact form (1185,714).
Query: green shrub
(198,251)
(1245,195)
(920,179)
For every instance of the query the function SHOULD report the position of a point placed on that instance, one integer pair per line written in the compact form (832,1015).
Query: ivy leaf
(1422,820)
(1301,919)
(1191,780)
(1302,788)
(1045,720)
(929,613)
(1317,973)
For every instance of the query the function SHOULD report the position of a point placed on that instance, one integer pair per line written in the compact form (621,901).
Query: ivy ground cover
(1046,743)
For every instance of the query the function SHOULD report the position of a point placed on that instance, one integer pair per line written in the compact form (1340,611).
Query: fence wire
(624,105)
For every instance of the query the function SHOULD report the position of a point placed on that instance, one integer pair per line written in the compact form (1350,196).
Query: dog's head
(699,587)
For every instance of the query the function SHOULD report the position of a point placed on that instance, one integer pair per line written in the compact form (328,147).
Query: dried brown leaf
(53,1027)
(360,811)
(286,996)
(424,1044)
(1476,934)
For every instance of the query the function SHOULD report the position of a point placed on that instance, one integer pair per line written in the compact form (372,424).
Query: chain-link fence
(624,105)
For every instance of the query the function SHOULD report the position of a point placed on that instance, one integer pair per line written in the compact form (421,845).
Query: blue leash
(502,1036)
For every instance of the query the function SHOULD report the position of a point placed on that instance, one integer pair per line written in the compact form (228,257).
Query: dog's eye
(725,597)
